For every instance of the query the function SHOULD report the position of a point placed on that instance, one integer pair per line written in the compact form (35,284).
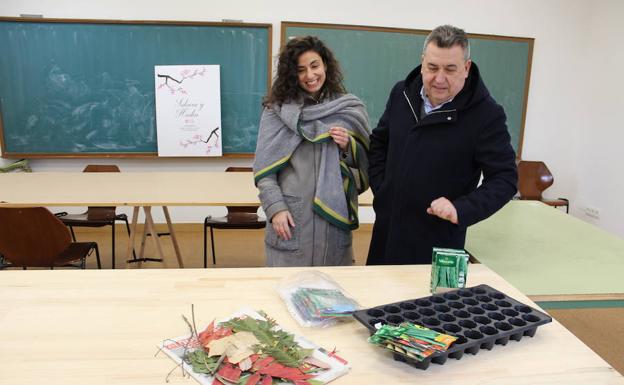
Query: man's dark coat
(415,160)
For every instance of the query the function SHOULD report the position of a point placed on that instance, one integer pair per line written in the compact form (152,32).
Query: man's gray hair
(447,36)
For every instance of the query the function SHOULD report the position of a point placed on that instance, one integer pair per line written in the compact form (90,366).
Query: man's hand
(281,223)
(444,209)
(340,136)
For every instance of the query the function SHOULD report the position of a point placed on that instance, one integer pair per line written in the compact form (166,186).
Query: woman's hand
(281,222)
(340,136)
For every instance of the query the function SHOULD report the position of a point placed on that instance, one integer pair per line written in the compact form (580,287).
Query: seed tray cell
(480,317)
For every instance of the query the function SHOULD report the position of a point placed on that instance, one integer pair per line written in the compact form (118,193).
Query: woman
(311,159)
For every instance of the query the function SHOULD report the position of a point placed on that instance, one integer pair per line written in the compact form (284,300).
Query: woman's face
(311,72)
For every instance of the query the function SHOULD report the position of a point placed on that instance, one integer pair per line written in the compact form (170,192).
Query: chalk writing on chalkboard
(86,87)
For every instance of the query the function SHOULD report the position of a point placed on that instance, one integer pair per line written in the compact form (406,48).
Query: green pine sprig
(273,342)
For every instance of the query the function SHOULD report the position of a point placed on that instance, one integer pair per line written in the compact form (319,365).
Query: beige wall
(574,101)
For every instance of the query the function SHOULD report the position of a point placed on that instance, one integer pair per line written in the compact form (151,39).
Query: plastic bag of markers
(314,299)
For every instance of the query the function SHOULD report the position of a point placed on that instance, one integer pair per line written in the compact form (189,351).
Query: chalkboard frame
(6,153)
(424,32)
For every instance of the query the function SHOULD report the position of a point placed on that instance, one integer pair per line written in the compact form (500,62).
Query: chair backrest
(31,236)
(95,211)
(101,168)
(241,209)
(533,178)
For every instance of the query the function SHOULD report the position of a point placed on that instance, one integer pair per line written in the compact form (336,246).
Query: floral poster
(188,110)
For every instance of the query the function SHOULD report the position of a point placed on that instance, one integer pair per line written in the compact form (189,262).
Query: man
(440,131)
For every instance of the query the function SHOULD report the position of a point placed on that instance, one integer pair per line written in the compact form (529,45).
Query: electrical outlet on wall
(592,212)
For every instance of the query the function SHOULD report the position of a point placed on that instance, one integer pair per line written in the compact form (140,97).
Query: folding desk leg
(143,240)
(130,249)
(149,221)
(173,237)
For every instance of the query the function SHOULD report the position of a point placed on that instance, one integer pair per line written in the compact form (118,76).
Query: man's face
(444,72)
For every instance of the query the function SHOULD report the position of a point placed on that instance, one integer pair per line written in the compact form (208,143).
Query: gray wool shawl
(282,129)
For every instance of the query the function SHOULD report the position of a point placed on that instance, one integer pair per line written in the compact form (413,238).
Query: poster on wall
(188,110)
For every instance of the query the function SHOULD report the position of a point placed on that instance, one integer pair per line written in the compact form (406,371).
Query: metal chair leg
(113,242)
(214,256)
(71,229)
(97,255)
(205,245)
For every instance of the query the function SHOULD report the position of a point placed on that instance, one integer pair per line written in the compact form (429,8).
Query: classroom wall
(571,119)
(600,164)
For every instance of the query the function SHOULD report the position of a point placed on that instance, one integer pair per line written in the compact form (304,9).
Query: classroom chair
(533,178)
(97,216)
(238,217)
(34,237)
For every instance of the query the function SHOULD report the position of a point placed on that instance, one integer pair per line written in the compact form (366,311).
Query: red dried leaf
(216,381)
(267,380)
(211,333)
(230,373)
(253,379)
(262,363)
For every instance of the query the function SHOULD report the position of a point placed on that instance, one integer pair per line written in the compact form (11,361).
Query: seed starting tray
(479,316)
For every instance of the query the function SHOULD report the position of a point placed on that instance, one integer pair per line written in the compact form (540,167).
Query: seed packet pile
(314,299)
(411,340)
(449,269)
(318,304)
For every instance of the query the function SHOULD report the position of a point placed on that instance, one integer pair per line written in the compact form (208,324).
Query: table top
(548,254)
(103,327)
(131,189)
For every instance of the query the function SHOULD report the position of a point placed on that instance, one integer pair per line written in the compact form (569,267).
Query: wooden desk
(548,254)
(138,189)
(102,327)
(128,189)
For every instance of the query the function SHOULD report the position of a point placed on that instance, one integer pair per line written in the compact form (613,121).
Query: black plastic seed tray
(480,317)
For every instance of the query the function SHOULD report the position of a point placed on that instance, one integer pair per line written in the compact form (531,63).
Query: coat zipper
(414,112)
(410,106)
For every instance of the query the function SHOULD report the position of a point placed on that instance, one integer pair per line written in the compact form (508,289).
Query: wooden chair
(34,237)
(238,217)
(97,216)
(533,178)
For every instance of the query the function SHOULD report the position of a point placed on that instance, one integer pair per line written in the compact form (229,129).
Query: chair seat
(236,221)
(75,252)
(92,218)
(238,217)
(556,202)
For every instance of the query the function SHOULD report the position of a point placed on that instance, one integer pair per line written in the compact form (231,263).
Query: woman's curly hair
(286,84)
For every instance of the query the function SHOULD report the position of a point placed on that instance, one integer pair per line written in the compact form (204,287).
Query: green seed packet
(449,268)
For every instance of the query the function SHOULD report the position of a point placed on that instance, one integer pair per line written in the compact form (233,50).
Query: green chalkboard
(86,87)
(373,59)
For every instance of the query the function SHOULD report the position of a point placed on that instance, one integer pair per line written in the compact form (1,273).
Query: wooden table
(102,327)
(137,189)
(142,189)
(548,254)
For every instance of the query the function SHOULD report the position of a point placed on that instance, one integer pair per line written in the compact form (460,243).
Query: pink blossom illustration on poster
(188,110)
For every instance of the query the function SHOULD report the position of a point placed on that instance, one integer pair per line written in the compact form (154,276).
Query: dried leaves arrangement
(249,351)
